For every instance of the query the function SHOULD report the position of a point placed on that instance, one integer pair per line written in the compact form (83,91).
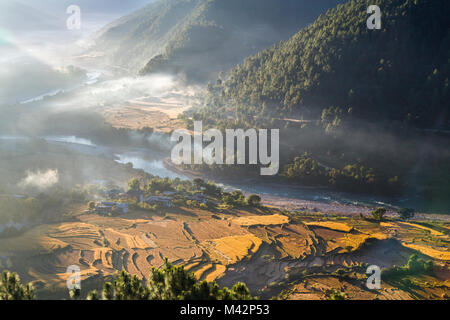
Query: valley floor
(275,253)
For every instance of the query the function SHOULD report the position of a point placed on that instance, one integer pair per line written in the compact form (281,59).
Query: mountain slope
(202,37)
(358,110)
(400,72)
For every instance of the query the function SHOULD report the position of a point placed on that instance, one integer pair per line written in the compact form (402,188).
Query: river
(286,196)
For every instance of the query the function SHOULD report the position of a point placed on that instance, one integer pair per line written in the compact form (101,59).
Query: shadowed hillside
(202,37)
(399,72)
(360,110)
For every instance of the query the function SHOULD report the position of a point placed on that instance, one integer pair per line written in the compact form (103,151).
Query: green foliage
(75,293)
(159,185)
(406,213)
(234,199)
(91,205)
(332,294)
(352,177)
(168,283)
(414,266)
(11,288)
(93,295)
(125,287)
(254,200)
(306,170)
(134,185)
(338,61)
(354,99)
(378,214)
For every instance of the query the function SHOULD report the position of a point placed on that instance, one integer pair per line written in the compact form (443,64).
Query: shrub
(406,213)
(378,214)
(11,288)
(254,200)
(333,294)
(414,266)
(169,283)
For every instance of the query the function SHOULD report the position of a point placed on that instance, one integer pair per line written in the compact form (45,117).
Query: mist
(40,180)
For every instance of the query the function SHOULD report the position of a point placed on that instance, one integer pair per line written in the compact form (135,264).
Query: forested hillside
(202,37)
(360,110)
(400,72)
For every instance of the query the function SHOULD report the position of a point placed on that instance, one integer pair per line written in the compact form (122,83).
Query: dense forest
(359,109)
(399,72)
(199,38)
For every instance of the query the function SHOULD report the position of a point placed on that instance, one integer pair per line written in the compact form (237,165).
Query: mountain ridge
(337,61)
(200,38)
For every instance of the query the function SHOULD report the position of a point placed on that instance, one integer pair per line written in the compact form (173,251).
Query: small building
(114,193)
(108,207)
(169,193)
(102,209)
(198,197)
(165,201)
(135,195)
(122,207)
(13,196)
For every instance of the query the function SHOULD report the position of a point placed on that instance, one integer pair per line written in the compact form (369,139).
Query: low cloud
(40,179)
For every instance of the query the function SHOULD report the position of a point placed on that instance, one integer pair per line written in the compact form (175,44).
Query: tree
(93,295)
(199,184)
(227,199)
(378,214)
(91,205)
(333,294)
(406,213)
(254,200)
(75,293)
(11,288)
(134,185)
(166,283)
(169,283)
(414,266)
(108,291)
(417,265)
(212,190)
(125,287)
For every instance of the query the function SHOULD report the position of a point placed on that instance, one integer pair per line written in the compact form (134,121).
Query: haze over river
(289,197)
(98,90)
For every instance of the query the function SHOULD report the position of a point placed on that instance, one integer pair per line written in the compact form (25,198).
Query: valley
(87,179)
(272,253)
(296,253)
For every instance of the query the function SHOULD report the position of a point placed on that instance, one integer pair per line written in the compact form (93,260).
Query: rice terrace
(277,253)
(225,150)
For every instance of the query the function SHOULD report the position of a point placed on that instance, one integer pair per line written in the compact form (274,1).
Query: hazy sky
(35,15)
(105,6)
(39,27)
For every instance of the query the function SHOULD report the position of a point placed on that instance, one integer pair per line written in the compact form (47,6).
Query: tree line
(169,282)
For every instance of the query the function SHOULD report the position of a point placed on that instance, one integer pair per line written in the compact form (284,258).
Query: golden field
(259,248)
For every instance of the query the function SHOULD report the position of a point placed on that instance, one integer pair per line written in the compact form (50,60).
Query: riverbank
(299,198)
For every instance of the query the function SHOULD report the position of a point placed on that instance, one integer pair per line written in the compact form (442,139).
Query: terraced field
(230,250)
(267,251)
